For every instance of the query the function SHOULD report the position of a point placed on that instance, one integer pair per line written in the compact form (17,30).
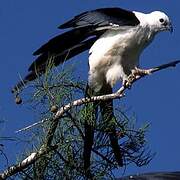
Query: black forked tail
(107,114)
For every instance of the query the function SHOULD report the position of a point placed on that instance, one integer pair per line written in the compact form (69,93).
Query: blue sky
(25,25)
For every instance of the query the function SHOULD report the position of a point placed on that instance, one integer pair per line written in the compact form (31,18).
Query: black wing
(65,40)
(103,17)
(62,56)
(80,38)
(65,46)
(85,26)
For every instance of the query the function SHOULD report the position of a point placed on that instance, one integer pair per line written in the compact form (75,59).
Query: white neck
(147,21)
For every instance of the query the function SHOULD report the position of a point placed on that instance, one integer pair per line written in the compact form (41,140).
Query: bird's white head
(159,21)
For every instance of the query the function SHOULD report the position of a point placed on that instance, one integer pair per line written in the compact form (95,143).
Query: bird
(115,38)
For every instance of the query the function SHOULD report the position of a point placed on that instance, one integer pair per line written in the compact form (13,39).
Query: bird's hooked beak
(170,27)
(167,26)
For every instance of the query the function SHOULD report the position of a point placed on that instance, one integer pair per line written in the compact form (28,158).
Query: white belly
(113,56)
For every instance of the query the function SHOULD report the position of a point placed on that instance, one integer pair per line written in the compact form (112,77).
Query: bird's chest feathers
(130,44)
(119,47)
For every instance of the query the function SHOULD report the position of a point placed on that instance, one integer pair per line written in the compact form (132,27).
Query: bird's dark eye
(161,20)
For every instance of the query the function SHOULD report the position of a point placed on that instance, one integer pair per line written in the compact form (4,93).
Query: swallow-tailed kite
(116,39)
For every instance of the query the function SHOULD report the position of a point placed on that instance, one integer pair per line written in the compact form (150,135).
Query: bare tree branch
(47,147)
(33,157)
(117,95)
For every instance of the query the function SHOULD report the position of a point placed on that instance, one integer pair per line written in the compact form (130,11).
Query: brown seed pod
(54,109)
(18,100)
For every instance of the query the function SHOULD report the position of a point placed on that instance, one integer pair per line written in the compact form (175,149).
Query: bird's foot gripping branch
(139,73)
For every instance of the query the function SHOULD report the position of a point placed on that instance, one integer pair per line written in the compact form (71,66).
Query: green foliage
(66,162)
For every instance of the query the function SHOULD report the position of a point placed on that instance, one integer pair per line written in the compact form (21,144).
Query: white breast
(114,55)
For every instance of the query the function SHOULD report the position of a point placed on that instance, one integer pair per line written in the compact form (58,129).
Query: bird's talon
(137,73)
(127,84)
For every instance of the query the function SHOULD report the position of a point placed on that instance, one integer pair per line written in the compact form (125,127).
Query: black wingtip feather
(72,22)
(30,77)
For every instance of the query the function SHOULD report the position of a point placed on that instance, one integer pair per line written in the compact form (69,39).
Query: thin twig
(33,125)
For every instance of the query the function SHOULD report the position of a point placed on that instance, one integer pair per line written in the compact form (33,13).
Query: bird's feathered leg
(106,108)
